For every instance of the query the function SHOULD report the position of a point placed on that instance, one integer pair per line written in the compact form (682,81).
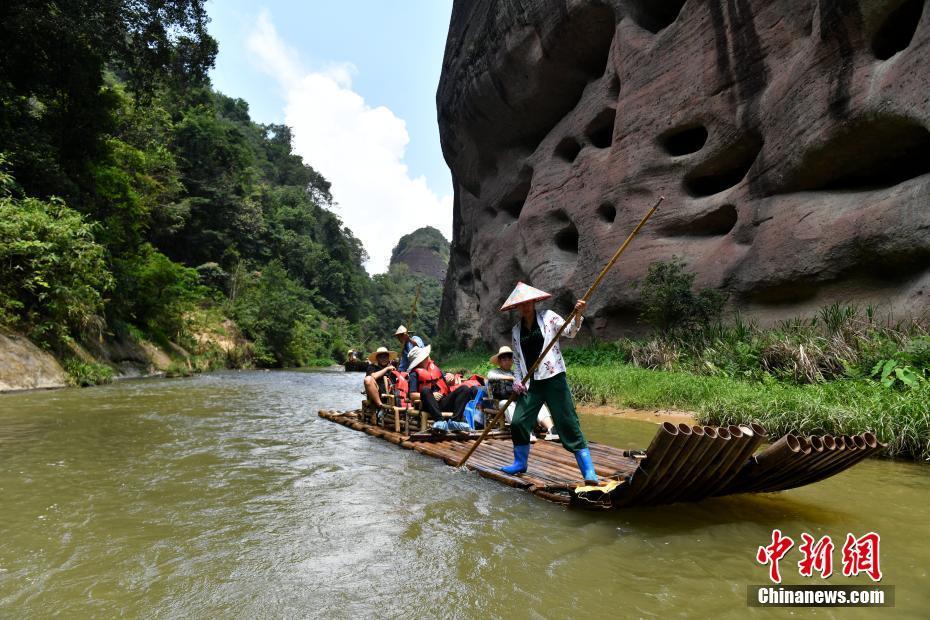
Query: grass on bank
(606,374)
(846,406)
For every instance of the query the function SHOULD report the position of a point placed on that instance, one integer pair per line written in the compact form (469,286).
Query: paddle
(571,317)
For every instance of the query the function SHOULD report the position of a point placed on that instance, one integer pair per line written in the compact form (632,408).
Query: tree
(57,110)
(54,274)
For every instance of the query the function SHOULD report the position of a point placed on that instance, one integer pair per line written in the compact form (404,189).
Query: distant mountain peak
(424,251)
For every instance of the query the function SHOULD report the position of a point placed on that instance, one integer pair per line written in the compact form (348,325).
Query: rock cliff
(425,252)
(24,366)
(790,137)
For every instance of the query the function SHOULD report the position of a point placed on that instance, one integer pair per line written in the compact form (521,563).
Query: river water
(224,495)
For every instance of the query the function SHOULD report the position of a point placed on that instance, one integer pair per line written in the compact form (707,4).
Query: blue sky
(357,82)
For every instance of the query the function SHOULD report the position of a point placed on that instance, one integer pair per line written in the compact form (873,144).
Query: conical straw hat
(522,294)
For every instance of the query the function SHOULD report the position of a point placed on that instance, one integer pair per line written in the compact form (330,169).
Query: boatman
(530,335)
(407,342)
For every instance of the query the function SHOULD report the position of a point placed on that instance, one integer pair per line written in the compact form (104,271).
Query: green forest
(138,202)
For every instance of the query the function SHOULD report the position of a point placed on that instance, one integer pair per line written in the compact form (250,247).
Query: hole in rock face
(466,279)
(656,15)
(513,201)
(782,293)
(607,212)
(567,149)
(678,142)
(600,131)
(513,208)
(567,239)
(896,33)
(865,154)
(725,169)
(490,212)
(716,222)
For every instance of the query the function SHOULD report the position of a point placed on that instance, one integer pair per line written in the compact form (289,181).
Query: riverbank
(126,355)
(656,416)
(900,418)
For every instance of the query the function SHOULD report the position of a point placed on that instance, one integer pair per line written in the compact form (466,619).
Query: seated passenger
(407,341)
(500,384)
(380,363)
(438,391)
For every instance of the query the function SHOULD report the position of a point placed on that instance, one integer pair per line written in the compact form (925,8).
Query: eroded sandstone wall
(24,366)
(790,137)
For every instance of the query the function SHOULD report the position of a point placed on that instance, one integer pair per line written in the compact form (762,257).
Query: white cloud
(358,148)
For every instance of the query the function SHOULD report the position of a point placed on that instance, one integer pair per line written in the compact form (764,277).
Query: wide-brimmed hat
(416,356)
(495,359)
(523,293)
(400,330)
(374,356)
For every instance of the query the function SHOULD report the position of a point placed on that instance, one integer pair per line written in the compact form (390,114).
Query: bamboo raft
(682,463)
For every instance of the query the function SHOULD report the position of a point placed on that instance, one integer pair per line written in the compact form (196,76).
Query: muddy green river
(225,495)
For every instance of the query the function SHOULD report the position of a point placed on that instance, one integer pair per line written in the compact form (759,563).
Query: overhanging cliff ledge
(791,138)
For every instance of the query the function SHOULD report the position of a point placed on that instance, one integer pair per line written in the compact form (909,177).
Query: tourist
(407,342)
(500,386)
(531,334)
(380,363)
(438,391)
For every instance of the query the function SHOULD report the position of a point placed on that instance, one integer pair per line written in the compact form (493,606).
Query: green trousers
(554,393)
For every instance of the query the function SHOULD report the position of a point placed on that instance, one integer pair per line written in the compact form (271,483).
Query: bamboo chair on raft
(408,419)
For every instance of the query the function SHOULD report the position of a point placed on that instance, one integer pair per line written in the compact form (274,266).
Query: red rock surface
(790,138)
(425,252)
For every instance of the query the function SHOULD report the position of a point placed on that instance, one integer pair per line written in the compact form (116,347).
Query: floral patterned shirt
(552,364)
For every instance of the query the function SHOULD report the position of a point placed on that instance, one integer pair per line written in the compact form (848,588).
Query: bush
(671,305)
(179,368)
(54,273)
(85,374)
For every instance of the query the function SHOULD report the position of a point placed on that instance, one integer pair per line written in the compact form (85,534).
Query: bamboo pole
(569,320)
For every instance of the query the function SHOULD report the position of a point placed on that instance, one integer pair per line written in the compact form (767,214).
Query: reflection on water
(226,495)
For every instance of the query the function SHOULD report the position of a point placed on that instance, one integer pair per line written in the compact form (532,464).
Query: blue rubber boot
(586,465)
(520,456)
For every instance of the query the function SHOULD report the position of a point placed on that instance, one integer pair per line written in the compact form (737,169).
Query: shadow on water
(765,510)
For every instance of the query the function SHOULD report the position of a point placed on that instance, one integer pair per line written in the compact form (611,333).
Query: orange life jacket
(473,381)
(401,388)
(429,376)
